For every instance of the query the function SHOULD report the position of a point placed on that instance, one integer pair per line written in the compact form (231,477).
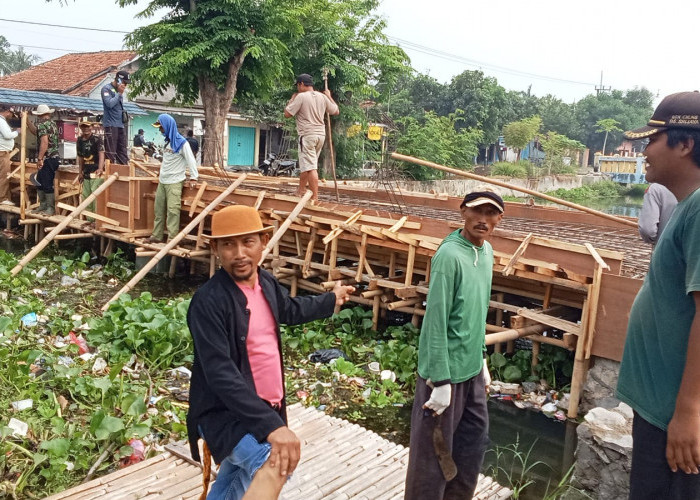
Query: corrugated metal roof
(60,102)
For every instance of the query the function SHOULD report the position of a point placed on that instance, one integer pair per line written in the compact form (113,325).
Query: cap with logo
(305,78)
(84,122)
(681,110)
(123,76)
(476,198)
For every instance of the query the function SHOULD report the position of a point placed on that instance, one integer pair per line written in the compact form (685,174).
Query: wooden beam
(62,225)
(518,253)
(197,197)
(99,217)
(283,228)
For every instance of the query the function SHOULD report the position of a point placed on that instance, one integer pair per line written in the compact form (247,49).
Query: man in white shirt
(309,108)
(7,144)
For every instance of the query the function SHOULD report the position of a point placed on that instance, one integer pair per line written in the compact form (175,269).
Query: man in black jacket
(237,388)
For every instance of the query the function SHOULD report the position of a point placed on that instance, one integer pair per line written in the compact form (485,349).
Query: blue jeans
(237,470)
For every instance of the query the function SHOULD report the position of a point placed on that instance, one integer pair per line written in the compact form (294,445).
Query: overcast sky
(556,46)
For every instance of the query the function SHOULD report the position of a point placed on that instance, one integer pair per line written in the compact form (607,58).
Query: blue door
(241,146)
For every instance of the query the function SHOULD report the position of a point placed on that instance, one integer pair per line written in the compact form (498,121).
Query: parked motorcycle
(153,151)
(273,167)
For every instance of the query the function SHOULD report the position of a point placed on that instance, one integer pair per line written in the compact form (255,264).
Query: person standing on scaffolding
(48,159)
(91,162)
(177,161)
(309,107)
(237,390)
(450,397)
(115,119)
(7,144)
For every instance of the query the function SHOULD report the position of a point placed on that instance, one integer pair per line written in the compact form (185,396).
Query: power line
(64,26)
(46,48)
(479,64)
(409,45)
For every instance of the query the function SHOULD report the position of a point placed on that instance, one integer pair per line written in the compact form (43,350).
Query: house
(84,74)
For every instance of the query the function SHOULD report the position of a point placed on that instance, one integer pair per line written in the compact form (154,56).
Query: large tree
(518,134)
(207,47)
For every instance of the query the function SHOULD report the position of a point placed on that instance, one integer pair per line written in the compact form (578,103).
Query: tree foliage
(607,125)
(439,140)
(13,61)
(519,134)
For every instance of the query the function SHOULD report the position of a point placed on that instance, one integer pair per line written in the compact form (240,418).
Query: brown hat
(681,110)
(236,220)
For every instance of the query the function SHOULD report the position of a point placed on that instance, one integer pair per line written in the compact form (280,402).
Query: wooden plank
(197,197)
(617,293)
(546,319)
(518,253)
(118,206)
(87,213)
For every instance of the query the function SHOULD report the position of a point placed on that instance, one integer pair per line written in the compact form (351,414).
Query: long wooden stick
(22,166)
(173,243)
(285,225)
(462,173)
(330,141)
(62,225)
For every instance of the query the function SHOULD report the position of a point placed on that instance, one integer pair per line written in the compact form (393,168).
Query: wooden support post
(499,321)
(109,248)
(293,288)
(580,365)
(333,258)
(361,261)
(306,267)
(259,200)
(392,264)
(22,167)
(409,264)
(173,243)
(376,301)
(285,225)
(173,267)
(276,246)
(197,197)
(212,264)
(535,344)
(62,225)
(516,255)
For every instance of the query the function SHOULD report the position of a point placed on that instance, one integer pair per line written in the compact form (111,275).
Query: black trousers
(115,145)
(465,425)
(651,477)
(47,173)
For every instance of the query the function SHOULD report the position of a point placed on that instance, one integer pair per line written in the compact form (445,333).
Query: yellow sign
(374,133)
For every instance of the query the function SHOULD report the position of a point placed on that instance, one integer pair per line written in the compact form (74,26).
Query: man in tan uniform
(309,106)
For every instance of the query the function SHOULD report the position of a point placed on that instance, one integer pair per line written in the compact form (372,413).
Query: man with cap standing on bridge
(91,161)
(660,371)
(309,107)
(48,159)
(237,389)
(115,119)
(449,421)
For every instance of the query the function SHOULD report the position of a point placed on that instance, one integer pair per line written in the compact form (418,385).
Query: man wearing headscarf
(177,160)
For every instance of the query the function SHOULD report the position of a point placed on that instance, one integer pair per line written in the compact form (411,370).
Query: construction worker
(452,377)
(91,161)
(309,107)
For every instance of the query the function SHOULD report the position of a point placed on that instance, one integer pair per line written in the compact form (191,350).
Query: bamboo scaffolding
(495,182)
(62,225)
(173,243)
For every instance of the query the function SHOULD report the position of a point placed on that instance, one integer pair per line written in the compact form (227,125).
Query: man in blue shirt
(660,371)
(115,120)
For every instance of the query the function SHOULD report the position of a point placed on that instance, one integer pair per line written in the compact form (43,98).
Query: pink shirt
(262,346)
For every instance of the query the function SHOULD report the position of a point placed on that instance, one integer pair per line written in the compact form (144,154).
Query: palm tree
(607,125)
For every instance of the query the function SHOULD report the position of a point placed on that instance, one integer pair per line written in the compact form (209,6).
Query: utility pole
(600,88)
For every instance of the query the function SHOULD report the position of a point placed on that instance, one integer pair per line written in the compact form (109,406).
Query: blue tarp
(60,102)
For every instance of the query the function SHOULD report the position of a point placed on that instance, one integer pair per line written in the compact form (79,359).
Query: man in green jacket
(452,374)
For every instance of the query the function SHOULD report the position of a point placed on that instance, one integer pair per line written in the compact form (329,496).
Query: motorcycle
(153,151)
(273,167)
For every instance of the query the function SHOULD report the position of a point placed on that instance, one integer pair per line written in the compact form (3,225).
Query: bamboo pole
(173,243)
(22,167)
(495,182)
(62,225)
(285,225)
(330,140)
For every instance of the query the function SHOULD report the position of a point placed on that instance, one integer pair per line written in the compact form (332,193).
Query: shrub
(506,169)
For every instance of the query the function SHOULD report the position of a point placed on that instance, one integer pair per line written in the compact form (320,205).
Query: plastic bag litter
(29,319)
(327,355)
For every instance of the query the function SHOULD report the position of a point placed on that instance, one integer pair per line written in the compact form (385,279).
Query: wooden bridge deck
(340,461)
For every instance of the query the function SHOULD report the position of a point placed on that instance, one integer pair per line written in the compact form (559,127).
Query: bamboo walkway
(340,461)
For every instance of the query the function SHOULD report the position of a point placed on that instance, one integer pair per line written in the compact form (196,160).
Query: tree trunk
(605,141)
(217,102)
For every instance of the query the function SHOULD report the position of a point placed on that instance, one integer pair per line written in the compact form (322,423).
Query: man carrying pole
(449,421)
(309,107)
(237,390)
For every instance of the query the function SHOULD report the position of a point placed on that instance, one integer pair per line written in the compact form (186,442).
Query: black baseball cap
(123,75)
(305,78)
(681,110)
(476,198)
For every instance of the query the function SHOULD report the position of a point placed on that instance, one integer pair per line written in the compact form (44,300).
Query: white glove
(439,398)
(487,376)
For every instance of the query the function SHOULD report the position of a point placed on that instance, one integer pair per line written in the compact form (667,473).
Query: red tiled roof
(77,72)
